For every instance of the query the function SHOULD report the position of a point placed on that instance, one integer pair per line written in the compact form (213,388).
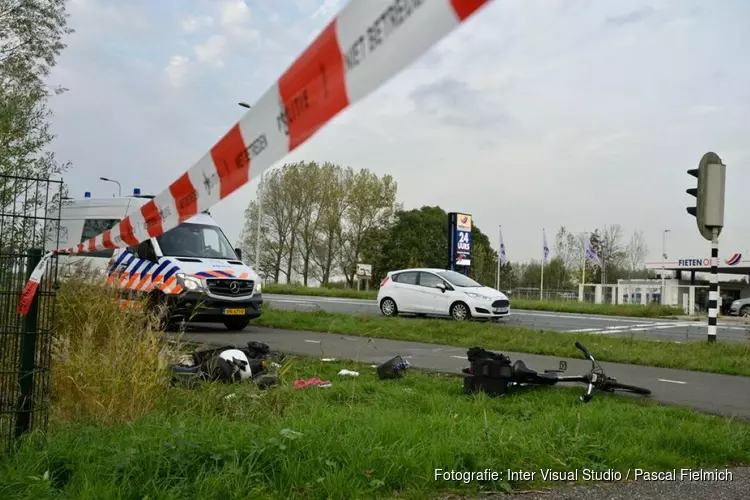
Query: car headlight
(189,282)
(258,287)
(477,296)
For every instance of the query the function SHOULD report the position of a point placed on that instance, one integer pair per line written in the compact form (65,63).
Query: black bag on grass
(489,372)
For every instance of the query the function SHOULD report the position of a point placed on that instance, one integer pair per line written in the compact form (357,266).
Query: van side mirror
(239,253)
(441,287)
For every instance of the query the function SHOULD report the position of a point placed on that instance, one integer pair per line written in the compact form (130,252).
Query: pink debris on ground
(301,384)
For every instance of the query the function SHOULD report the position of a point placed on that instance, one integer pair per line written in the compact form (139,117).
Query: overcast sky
(531,115)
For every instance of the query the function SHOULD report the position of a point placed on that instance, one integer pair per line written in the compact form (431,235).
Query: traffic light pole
(713,287)
(709,217)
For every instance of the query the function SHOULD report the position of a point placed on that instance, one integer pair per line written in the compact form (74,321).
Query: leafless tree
(636,252)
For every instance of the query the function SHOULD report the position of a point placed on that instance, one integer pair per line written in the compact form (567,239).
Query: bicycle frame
(595,377)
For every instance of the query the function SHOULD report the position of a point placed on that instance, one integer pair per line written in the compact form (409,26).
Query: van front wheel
(236,323)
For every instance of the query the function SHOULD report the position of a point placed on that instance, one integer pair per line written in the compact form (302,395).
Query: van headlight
(258,287)
(477,296)
(189,282)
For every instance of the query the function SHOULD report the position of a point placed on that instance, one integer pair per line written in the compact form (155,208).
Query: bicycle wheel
(617,386)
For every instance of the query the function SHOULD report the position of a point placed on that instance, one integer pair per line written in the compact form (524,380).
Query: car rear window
(407,278)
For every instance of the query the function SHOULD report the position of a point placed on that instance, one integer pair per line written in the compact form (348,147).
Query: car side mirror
(239,253)
(441,287)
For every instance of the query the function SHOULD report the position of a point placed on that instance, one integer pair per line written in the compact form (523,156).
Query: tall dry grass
(107,365)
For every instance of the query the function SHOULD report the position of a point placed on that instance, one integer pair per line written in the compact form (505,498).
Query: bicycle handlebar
(583,349)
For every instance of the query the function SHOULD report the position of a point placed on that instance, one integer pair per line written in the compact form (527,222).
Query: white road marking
(459,357)
(671,381)
(313,341)
(660,326)
(643,327)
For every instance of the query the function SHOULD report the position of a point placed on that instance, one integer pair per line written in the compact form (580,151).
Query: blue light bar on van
(136,191)
(87,194)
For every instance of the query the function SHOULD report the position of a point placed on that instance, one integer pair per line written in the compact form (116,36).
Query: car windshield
(458,279)
(196,240)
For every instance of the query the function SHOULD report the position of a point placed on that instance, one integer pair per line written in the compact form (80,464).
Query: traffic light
(709,195)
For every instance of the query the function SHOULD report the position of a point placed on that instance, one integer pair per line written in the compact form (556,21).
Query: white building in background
(679,290)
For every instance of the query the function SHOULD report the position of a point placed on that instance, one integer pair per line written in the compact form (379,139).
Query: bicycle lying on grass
(494,374)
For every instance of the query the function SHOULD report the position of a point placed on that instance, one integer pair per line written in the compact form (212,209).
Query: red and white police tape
(363,47)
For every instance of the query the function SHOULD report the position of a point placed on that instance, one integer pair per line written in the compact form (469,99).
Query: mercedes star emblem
(234,287)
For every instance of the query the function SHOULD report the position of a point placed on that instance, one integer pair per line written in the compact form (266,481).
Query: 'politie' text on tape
(366,44)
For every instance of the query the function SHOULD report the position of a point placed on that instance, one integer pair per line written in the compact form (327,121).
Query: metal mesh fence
(29,225)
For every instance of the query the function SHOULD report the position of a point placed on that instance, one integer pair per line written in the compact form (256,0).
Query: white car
(438,292)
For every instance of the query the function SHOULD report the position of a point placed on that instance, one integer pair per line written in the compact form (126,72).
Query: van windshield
(196,240)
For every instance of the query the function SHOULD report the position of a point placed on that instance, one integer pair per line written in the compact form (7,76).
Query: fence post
(28,354)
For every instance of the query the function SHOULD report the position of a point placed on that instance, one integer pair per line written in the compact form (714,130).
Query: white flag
(546,247)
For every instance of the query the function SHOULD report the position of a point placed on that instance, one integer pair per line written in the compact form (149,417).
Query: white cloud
(210,51)
(234,12)
(176,71)
(327,10)
(704,109)
(193,24)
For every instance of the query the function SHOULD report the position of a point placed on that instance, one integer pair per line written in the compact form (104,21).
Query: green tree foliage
(417,238)
(31,39)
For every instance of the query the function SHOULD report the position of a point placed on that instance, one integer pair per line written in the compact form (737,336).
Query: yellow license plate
(234,312)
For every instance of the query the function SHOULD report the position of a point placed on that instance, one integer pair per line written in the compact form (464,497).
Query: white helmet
(238,362)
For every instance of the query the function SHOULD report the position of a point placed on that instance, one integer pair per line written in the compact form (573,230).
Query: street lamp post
(257,229)
(119,188)
(663,258)
(260,209)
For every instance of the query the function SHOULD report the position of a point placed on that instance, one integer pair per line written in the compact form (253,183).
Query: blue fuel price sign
(459,237)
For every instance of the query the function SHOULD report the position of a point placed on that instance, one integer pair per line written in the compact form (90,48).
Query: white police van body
(192,268)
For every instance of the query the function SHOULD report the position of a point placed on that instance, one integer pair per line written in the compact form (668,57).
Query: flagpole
(499,255)
(541,287)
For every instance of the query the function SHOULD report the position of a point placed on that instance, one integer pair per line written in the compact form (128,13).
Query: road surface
(659,329)
(712,393)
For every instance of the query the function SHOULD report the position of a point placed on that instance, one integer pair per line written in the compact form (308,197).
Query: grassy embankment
(719,357)
(119,431)
(629,310)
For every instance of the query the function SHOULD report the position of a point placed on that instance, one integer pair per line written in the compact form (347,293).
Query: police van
(193,270)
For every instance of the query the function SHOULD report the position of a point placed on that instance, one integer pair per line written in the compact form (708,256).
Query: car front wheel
(388,307)
(745,312)
(460,311)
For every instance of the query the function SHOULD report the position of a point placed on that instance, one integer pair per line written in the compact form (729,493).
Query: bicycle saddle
(520,369)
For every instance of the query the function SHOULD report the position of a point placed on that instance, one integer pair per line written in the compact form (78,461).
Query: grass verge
(719,357)
(629,310)
(360,439)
